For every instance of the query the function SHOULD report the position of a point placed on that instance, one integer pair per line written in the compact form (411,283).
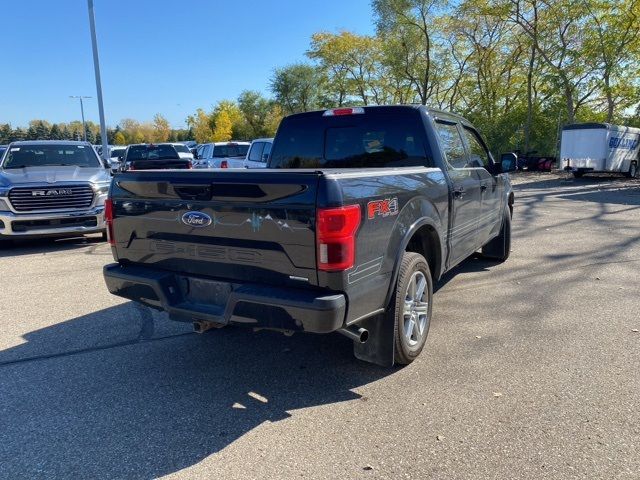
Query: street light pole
(84,127)
(96,66)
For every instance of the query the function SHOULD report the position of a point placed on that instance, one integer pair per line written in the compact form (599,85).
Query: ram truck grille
(59,197)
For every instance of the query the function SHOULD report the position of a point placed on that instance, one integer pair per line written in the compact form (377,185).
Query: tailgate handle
(193,192)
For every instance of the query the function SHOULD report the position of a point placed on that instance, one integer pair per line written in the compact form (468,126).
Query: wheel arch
(422,237)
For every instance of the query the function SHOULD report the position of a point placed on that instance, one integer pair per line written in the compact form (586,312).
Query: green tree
(410,29)
(615,43)
(298,87)
(200,124)
(255,108)
(91,137)
(558,33)
(353,65)
(240,128)
(54,133)
(272,120)
(6,133)
(19,134)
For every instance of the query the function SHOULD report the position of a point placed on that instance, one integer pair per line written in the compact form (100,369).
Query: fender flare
(421,222)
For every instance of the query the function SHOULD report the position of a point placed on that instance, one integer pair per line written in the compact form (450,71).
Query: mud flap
(378,348)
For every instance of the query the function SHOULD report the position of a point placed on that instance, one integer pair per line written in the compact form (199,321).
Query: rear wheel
(411,307)
(633,170)
(578,174)
(500,247)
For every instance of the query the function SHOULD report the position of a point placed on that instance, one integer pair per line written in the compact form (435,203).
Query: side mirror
(508,162)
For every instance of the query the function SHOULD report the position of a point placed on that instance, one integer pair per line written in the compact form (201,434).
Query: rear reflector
(334,112)
(108,217)
(335,237)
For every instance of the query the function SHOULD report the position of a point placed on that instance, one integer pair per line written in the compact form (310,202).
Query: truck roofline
(19,143)
(432,112)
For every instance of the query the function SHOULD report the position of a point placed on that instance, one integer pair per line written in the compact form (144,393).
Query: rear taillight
(108,218)
(336,237)
(224,164)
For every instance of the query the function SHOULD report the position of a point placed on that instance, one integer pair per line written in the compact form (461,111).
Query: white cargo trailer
(599,147)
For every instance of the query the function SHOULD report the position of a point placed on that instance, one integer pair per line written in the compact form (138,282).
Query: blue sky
(155,55)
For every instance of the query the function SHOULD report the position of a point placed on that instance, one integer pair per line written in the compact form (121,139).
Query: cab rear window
(366,140)
(224,151)
(152,152)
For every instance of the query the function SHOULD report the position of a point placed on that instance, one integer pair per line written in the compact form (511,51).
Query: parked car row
(207,155)
(58,188)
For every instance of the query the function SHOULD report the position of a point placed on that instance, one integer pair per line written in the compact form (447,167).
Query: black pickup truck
(359,212)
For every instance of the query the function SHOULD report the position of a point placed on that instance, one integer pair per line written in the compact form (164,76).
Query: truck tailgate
(243,226)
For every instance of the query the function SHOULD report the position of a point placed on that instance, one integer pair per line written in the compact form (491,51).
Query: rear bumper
(44,224)
(191,299)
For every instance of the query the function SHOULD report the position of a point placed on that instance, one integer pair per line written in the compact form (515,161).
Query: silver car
(52,188)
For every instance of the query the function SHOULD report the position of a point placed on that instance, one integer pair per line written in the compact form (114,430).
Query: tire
(633,170)
(410,310)
(500,247)
(578,174)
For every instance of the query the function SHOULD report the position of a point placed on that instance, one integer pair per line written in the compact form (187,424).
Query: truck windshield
(51,156)
(222,151)
(364,140)
(152,152)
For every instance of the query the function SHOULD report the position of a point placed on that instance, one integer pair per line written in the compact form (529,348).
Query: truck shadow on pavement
(122,393)
(13,248)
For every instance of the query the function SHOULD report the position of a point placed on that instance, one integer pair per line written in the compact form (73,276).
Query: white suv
(221,155)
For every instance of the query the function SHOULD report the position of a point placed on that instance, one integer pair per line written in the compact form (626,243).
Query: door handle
(483,187)
(458,192)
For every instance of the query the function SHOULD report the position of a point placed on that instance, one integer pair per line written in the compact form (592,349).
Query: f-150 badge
(382,208)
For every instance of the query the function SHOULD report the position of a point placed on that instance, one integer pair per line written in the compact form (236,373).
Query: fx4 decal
(382,208)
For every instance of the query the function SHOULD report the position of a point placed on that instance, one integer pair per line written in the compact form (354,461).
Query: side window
(452,145)
(478,154)
(255,155)
(266,152)
(207,151)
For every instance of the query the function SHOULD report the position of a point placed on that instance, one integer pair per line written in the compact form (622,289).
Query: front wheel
(411,308)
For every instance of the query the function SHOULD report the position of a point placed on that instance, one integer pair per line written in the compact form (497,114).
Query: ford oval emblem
(196,219)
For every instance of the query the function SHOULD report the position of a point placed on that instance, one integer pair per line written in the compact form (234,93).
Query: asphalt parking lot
(531,369)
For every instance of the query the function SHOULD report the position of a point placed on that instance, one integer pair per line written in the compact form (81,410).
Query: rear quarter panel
(418,196)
